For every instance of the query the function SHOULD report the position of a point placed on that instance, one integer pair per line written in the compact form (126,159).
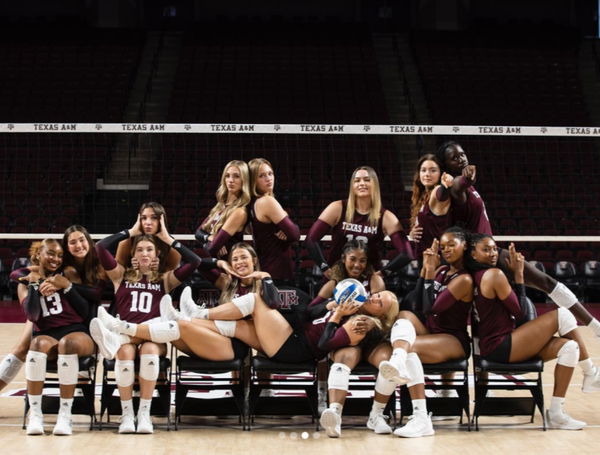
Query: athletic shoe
(418,425)
(35,423)
(168,312)
(563,421)
(378,423)
(109,321)
(64,426)
(591,382)
(392,372)
(127,424)
(332,422)
(107,341)
(144,424)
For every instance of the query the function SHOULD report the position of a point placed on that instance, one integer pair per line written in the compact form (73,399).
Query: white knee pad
(568,354)
(149,367)
(226,328)
(68,368)
(9,368)
(124,372)
(403,330)
(383,386)
(415,369)
(35,366)
(245,304)
(563,296)
(339,377)
(162,332)
(566,321)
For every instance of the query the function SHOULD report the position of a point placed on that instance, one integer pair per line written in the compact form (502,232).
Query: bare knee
(349,357)
(126,352)
(67,345)
(40,344)
(150,348)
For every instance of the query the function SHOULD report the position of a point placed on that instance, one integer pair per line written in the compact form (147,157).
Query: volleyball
(350,289)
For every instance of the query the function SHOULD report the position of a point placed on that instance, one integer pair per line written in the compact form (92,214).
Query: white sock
(398,356)
(419,406)
(128,328)
(337,407)
(587,366)
(127,407)
(35,403)
(65,405)
(377,407)
(556,405)
(144,406)
(595,326)
(201,313)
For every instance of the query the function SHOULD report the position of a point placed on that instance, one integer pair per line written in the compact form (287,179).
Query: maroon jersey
(359,229)
(495,319)
(275,255)
(471,215)
(453,319)
(242,290)
(313,331)
(139,302)
(235,238)
(56,312)
(433,227)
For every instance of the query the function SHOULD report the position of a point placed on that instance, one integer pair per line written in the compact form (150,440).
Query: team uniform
(360,228)
(433,228)
(449,315)
(274,254)
(58,317)
(139,302)
(235,238)
(495,322)
(471,215)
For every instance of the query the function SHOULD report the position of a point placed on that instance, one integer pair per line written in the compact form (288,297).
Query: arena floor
(298,434)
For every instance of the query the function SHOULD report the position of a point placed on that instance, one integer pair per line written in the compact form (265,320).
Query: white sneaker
(144,424)
(168,312)
(188,308)
(127,424)
(332,422)
(591,382)
(392,372)
(35,423)
(64,426)
(109,321)
(418,425)
(378,423)
(107,341)
(563,421)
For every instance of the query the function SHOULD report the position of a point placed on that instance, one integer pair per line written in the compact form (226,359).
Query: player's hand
(416,233)
(470,172)
(447,180)
(280,235)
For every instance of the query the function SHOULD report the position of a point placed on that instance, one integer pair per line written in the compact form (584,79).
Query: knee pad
(415,369)
(226,328)
(339,377)
(35,366)
(9,368)
(162,332)
(403,330)
(566,321)
(149,367)
(68,368)
(568,354)
(124,372)
(563,296)
(245,304)
(383,386)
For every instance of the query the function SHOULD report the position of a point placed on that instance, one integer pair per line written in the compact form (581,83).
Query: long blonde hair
(389,318)
(229,291)
(420,194)
(222,194)
(254,165)
(374,213)
(132,275)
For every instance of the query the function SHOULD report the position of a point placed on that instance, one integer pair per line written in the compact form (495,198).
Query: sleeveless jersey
(235,238)
(471,215)
(359,229)
(455,319)
(56,312)
(139,302)
(313,330)
(494,320)
(433,228)
(274,255)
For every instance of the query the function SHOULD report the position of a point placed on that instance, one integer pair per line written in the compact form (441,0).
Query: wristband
(68,288)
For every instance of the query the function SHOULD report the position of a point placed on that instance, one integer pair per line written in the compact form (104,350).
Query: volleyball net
(541,184)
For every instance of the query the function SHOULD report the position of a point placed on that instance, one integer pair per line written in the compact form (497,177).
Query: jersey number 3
(51,305)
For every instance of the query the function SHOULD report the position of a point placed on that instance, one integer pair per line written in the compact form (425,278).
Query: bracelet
(68,288)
